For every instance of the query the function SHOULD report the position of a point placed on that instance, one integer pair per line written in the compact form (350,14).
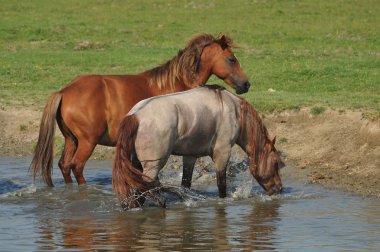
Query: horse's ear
(222,41)
(220,35)
(274,141)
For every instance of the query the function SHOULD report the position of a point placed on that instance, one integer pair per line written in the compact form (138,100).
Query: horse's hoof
(124,206)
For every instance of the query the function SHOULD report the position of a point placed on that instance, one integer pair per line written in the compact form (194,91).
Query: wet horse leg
(66,156)
(82,154)
(151,169)
(188,168)
(221,158)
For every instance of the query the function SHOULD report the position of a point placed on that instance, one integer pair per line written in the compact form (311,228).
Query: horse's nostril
(242,87)
(247,85)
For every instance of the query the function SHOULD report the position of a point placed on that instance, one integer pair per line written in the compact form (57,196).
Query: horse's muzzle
(243,88)
(274,190)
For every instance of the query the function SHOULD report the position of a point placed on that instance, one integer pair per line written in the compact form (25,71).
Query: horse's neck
(202,78)
(180,84)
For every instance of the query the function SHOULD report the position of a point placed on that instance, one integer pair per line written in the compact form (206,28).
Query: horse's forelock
(225,41)
(185,64)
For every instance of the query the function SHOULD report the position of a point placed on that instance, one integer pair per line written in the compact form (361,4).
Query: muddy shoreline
(337,149)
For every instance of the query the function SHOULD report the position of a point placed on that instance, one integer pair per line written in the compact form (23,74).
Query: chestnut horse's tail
(42,162)
(125,177)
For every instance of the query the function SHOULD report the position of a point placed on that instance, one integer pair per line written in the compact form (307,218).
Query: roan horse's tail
(42,162)
(125,177)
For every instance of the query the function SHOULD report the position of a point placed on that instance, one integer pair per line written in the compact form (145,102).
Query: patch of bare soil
(18,131)
(338,150)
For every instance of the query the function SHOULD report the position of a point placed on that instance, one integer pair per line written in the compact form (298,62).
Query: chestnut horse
(179,124)
(89,109)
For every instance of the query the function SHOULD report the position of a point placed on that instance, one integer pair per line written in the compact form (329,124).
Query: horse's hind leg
(150,171)
(152,167)
(82,154)
(66,156)
(136,162)
(188,168)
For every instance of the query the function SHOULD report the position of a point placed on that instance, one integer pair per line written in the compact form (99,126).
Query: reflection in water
(262,225)
(220,230)
(216,226)
(89,218)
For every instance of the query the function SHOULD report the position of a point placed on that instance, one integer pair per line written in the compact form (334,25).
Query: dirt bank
(336,149)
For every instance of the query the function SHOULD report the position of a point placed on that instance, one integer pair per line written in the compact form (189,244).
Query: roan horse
(181,125)
(89,110)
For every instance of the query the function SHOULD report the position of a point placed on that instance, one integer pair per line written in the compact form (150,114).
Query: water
(89,218)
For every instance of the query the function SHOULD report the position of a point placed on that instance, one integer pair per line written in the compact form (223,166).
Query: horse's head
(224,64)
(267,172)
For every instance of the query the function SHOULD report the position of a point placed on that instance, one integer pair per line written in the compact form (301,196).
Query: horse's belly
(193,147)
(107,141)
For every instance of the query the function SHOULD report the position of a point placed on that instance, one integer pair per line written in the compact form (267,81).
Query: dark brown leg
(136,162)
(221,181)
(188,168)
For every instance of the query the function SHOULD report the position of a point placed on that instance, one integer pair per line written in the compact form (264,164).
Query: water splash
(159,195)
(9,185)
(191,203)
(242,192)
(20,193)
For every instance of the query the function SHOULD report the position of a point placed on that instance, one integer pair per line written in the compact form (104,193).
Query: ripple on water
(7,185)
(85,218)
(9,189)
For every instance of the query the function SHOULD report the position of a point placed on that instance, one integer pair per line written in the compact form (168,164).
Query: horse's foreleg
(80,158)
(64,161)
(188,168)
(221,158)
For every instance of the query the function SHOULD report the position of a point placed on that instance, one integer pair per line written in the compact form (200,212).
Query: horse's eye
(232,60)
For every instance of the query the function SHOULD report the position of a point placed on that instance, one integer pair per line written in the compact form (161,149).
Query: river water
(304,217)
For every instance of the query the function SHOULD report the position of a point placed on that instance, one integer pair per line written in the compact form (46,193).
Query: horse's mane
(215,87)
(218,91)
(255,130)
(185,63)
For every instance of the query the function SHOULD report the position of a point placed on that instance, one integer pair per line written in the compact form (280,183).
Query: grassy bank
(312,53)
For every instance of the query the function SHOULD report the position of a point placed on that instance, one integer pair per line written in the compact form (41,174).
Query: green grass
(317,110)
(324,53)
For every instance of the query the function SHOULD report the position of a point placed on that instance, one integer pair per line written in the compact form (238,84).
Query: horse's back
(186,123)
(93,105)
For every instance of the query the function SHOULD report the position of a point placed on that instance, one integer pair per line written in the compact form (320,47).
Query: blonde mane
(185,64)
